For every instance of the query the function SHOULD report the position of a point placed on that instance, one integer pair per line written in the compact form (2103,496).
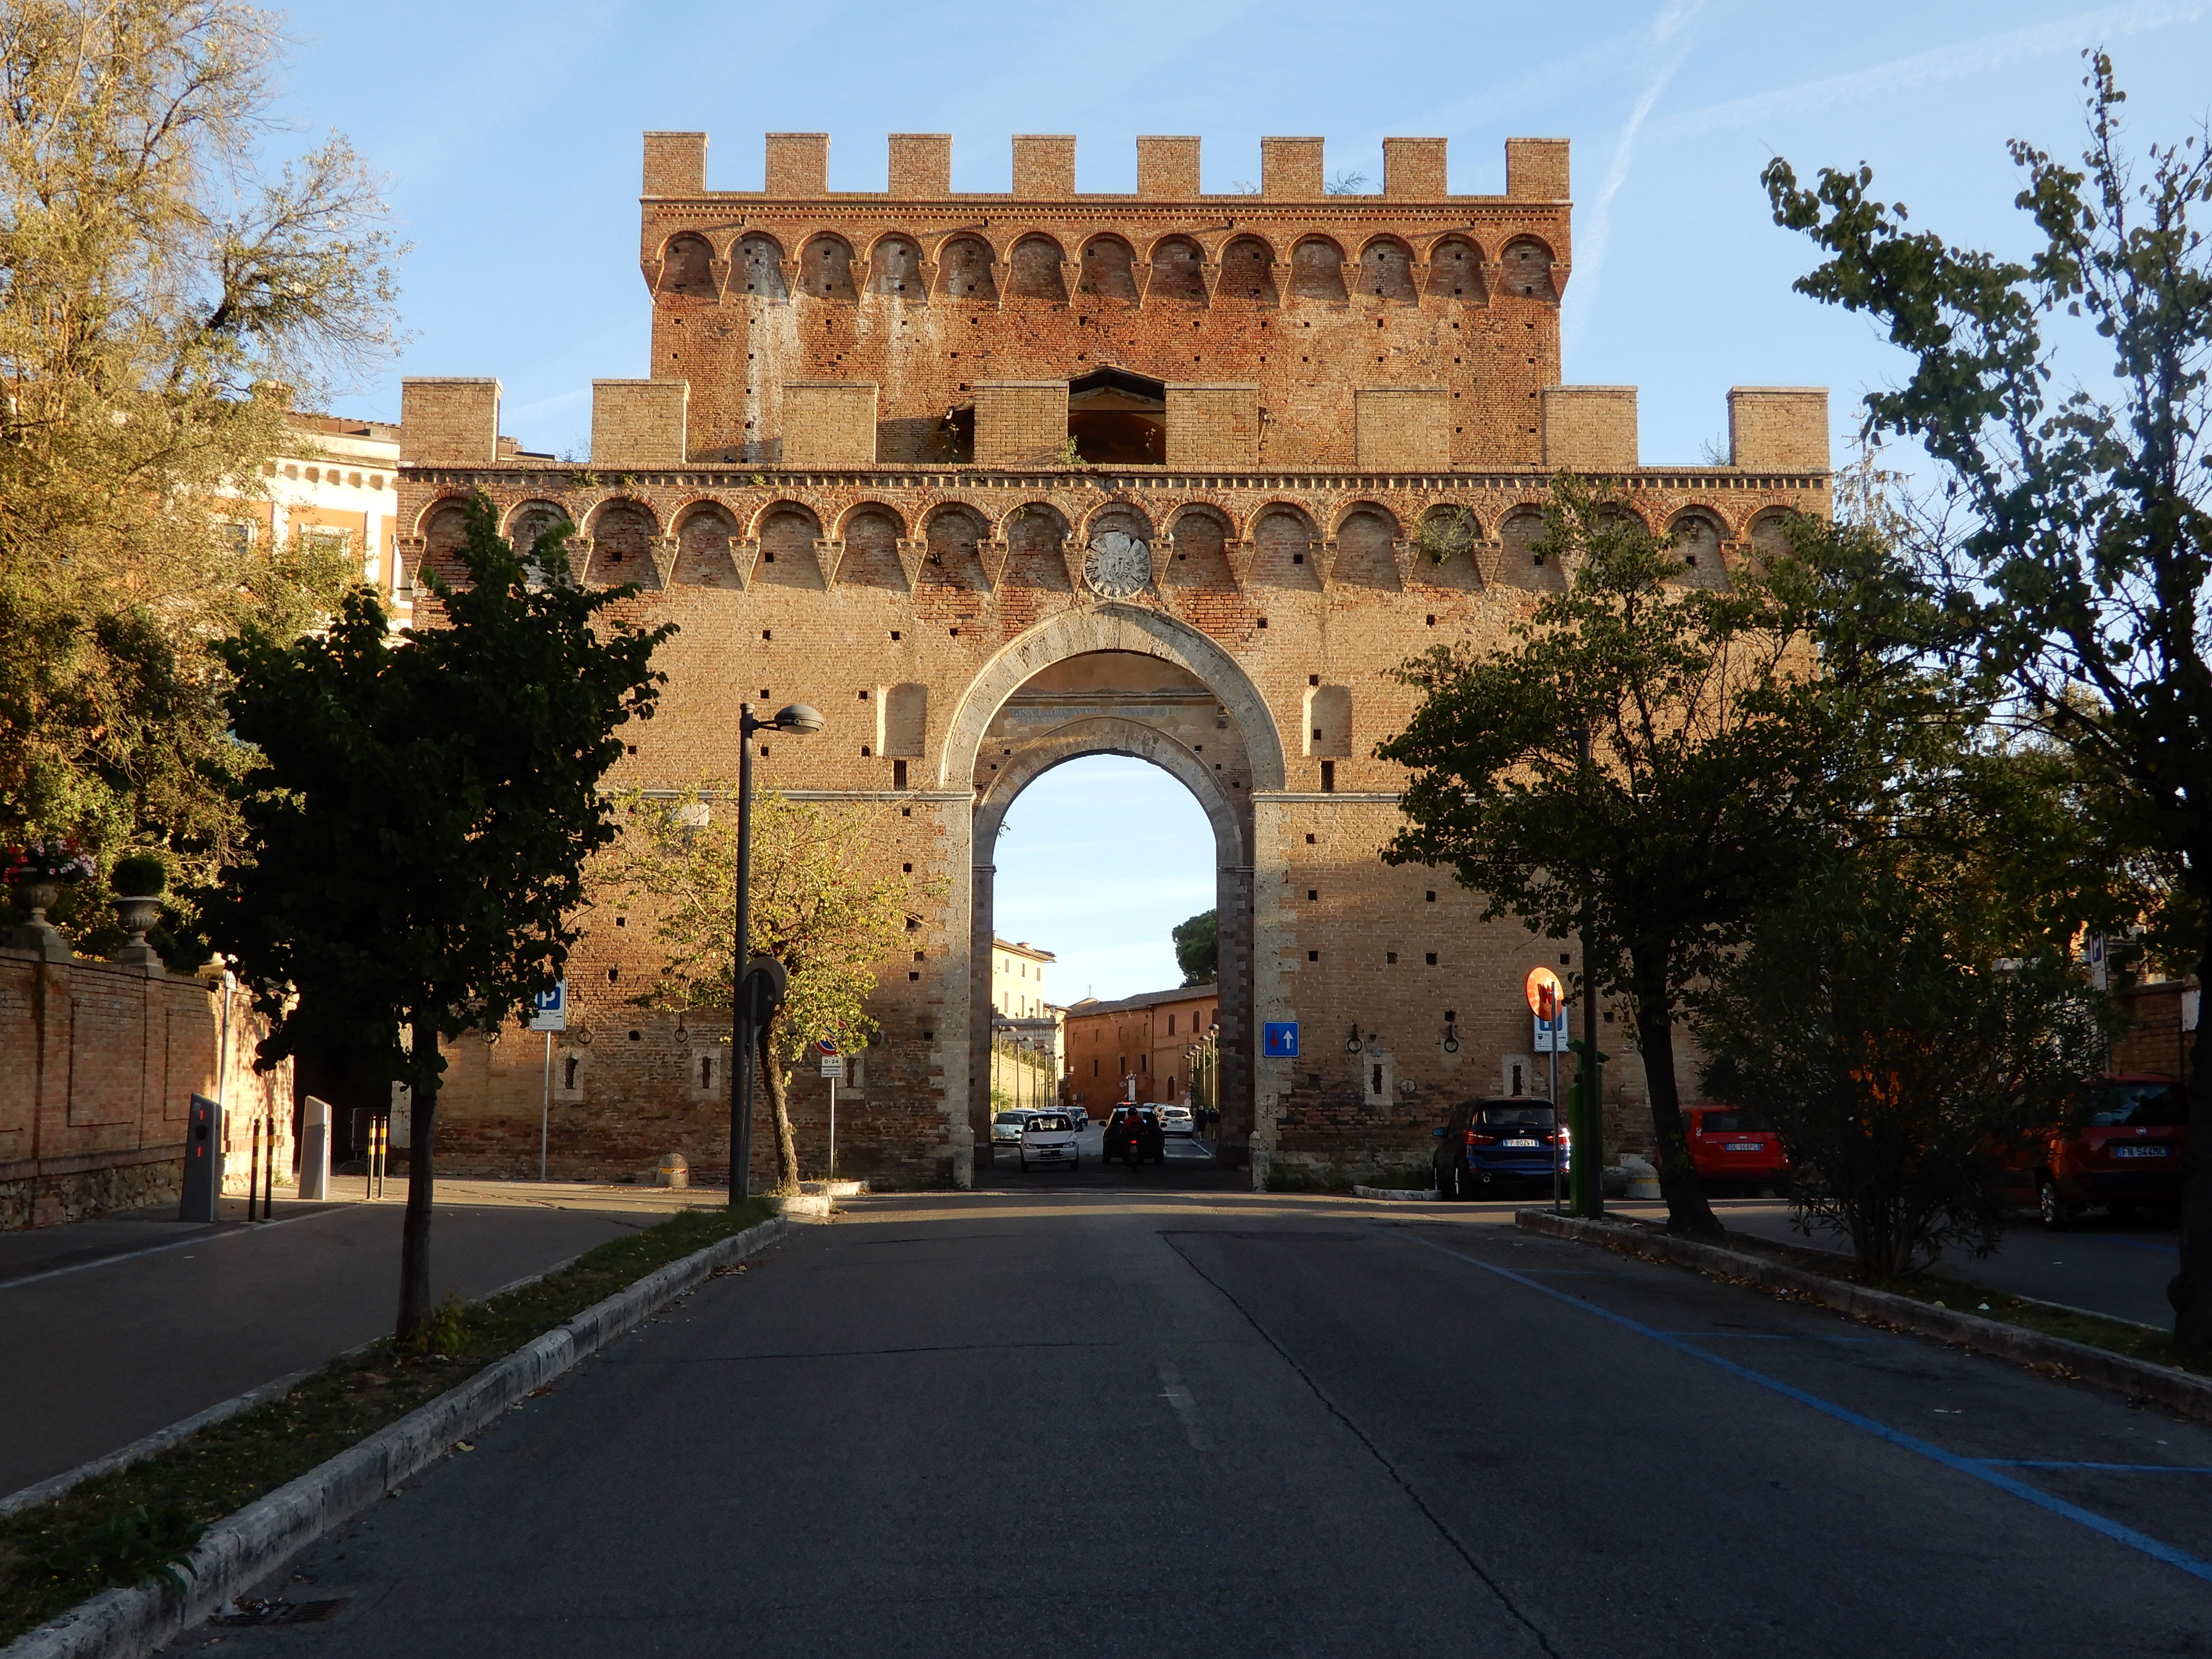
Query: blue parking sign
(549,1010)
(1280,1039)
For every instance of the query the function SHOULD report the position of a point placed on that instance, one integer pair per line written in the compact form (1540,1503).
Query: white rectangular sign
(833,1065)
(550,1009)
(1552,1035)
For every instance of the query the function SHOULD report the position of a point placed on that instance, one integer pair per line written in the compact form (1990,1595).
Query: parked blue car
(1487,1145)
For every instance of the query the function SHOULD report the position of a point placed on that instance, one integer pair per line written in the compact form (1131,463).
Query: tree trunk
(2190,1290)
(1686,1209)
(778,1099)
(414,1233)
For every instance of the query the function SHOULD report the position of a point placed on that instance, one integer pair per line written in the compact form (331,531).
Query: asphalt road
(125,1325)
(1077,1421)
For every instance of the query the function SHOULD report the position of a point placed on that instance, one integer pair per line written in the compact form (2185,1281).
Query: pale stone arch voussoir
(1112,627)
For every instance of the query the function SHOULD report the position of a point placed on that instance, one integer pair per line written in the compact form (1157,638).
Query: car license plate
(1524,1143)
(2139,1152)
(1743,1146)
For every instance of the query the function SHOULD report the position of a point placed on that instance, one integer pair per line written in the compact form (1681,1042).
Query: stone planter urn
(137,914)
(38,895)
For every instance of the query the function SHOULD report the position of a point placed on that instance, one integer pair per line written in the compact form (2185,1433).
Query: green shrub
(140,875)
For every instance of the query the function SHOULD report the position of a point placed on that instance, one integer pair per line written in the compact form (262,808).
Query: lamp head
(799,719)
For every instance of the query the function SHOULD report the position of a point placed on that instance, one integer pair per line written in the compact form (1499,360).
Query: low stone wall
(99,1062)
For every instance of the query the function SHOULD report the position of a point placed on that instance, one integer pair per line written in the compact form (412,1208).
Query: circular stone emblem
(1117,565)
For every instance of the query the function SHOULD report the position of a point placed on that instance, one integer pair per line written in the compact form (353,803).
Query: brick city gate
(996,480)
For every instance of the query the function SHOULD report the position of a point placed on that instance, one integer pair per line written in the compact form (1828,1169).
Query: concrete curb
(1402,1195)
(246,1546)
(2177,1390)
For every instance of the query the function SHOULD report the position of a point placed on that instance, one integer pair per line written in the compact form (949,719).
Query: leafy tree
(163,300)
(1713,753)
(1198,948)
(2079,545)
(818,908)
(1900,1016)
(418,809)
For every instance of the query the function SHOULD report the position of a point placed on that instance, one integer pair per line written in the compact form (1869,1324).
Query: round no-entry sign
(1544,993)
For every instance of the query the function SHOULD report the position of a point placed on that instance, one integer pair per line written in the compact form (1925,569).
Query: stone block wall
(1591,429)
(98,1064)
(1778,429)
(675,163)
(930,292)
(1167,168)
(1414,168)
(1213,426)
(1287,585)
(638,423)
(1536,169)
(449,422)
(922,164)
(1403,428)
(799,164)
(1044,167)
(1020,422)
(829,423)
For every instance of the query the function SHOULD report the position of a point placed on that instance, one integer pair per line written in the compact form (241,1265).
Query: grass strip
(63,1552)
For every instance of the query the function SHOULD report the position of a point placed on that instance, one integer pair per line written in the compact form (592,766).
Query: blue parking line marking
(1778,1336)
(2120,1468)
(2097,1523)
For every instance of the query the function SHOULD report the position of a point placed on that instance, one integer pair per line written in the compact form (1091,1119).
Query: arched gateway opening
(1119,680)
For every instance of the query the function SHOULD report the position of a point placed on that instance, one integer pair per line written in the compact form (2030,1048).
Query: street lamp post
(801,721)
(1586,1180)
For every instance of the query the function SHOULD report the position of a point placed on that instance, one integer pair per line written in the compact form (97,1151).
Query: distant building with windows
(1025,1027)
(338,482)
(1147,1037)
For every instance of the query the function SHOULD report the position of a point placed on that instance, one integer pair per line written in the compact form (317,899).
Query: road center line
(1967,1466)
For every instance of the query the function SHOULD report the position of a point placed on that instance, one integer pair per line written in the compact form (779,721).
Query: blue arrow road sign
(1280,1039)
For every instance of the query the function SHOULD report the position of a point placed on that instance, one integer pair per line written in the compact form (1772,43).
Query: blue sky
(511,135)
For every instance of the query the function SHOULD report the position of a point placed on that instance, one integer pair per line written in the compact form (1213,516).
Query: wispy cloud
(1670,41)
(1958,61)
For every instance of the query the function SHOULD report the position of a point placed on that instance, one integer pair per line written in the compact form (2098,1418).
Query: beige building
(1025,1027)
(337,482)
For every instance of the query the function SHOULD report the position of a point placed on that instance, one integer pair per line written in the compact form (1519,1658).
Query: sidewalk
(2120,1271)
(127,1324)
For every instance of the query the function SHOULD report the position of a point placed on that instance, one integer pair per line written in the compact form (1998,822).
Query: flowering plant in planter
(56,860)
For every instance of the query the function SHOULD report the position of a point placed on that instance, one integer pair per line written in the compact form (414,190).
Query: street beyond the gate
(1081,1420)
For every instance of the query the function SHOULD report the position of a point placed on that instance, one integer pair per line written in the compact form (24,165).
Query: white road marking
(1185,1405)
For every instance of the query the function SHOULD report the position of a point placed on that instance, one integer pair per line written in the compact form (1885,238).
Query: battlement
(920,169)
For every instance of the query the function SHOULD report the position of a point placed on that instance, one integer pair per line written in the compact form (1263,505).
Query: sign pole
(546,1110)
(550,1015)
(1558,1122)
(833,1128)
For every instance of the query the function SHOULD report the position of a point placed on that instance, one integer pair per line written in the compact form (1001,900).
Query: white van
(1050,1138)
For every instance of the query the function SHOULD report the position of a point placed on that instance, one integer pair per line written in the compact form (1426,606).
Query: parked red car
(1730,1145)
(2120,1148)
